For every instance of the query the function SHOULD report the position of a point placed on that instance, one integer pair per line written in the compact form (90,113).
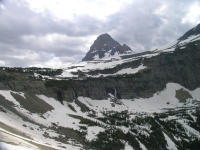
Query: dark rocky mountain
(194,31)
(154,108)
(105,45)
(182,66)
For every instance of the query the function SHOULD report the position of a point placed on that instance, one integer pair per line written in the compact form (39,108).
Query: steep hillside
(141,77)
(193,32)
(145,101)
(167,120)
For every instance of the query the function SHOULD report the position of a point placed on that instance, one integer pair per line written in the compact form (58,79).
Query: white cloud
(2,63)
(27,54)
(68,9)
(193,15)
(161,10)
(54,62)
(52,39)
(55,41)
(2,6)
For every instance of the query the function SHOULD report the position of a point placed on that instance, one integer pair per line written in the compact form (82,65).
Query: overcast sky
(52,33)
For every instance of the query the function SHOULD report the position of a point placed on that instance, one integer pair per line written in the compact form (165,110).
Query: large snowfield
(160,102)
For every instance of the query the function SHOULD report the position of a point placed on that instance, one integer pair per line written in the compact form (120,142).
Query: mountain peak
(105,46)
(105,35)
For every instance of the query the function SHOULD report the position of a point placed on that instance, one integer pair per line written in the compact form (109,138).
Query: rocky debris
(183,95)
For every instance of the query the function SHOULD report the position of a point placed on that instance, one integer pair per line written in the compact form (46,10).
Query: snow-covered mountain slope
(112,61)
(193,32)
(76,70)
(85,67)
(159,102)
(142,101)
(189,37)
(112,58)
(87,124)
(105,47)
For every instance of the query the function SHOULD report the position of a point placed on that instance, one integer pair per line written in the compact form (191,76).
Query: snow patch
(191,38)
(59,114)
(159,102)
(130,70)
(189,130)
(5,146)
(170,144)
(128,147)
(7,95)
(142,146)
(92,132)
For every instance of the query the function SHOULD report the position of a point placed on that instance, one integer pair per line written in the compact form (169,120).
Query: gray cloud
(30,38)
(23,30)
(141,27)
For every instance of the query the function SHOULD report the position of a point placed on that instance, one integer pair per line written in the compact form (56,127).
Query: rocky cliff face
(181,66)
(105,46)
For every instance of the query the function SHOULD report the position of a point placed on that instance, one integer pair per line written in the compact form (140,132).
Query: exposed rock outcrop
(104,46)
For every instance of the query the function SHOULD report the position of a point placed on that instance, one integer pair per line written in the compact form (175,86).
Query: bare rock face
(192,32)
(105,45)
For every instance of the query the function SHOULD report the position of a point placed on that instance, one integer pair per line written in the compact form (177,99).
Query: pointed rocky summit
(105,46)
